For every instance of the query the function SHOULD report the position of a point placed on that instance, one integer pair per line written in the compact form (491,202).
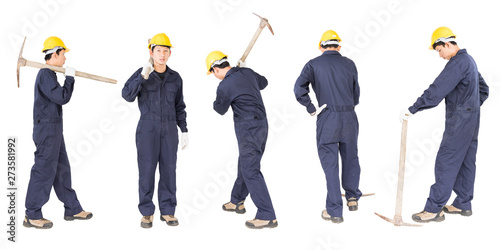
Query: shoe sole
(146,225)
(435,219)
(28,225)
(238,211)
(252,226)
(72,218)
(170,223)
(465,213)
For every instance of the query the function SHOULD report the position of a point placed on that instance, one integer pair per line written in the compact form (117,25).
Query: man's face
(445,51)
(59,60)
(160,55)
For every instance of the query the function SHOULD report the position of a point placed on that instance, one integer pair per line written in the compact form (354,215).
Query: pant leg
(348,148)
(327,138)
(62,184)
(168,161)
(457,138)
(252,136)
(240,190)
(47,138)
(148,147)
(464,184)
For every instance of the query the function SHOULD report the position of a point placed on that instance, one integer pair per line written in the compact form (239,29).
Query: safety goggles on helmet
(55,49)
(330,42)
(218,62)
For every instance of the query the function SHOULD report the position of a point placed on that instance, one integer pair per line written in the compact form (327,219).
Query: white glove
(184,140)
(146,70)
(318,110)
(69,72)
(405,115)
(241,63)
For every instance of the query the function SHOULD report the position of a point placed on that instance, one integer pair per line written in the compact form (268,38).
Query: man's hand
(146,70)
(184,140)
(405,115)
(69,72)
(318,110)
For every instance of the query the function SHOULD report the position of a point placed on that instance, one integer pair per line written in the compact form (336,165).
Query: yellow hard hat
(160,39)
(329,35)
(53,42)
(441,32)
(213,57)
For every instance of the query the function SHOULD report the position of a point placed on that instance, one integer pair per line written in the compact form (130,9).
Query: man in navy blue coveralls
(161,102)
(240,89)
(51,166)
(334,79)
(464,91)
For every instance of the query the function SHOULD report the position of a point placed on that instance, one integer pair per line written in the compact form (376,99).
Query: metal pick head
(264,22)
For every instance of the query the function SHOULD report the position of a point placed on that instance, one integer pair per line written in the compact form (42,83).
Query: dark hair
(48,56)
(330,45)
(222,65)
(153,47)
(442,43)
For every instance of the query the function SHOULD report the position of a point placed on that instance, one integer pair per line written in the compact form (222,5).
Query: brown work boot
(238,208)
(170,219)
(352,203)
(39,224)
(259,224)
(326,216)
(425,217)
(147,221)
(79,216)
(450,209)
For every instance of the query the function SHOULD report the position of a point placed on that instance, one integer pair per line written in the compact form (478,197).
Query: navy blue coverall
(334,79)
(240,89)
(51,166)
(464,91)
(162,107)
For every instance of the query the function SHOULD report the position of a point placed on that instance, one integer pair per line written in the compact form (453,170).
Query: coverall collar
(232,70)
(167,72)
(331,52)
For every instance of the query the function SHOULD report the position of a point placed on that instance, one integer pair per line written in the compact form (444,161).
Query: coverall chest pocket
(171,93)
(150,91)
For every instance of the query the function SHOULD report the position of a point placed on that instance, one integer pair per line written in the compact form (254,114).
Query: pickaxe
(263,23)
(363,195)
(23,62)
(398,220)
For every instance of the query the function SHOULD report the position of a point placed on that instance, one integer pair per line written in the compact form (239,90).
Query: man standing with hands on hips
(334,79)
(464,91)
(51,166)
(161,102)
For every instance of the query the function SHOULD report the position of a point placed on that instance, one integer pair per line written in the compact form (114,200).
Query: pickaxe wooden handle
(21,62)
(263,23)
(397,220)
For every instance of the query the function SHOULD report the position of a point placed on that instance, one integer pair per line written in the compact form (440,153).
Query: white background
(387,39)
